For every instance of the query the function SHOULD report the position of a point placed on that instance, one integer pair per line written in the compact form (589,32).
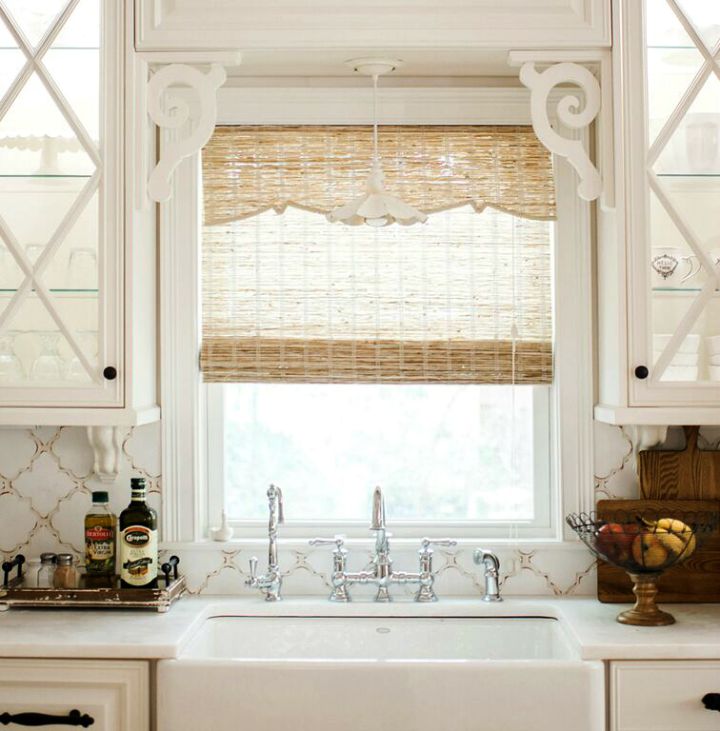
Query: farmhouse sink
(380,674)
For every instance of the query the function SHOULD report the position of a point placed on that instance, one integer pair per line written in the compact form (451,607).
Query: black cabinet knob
(110,373)
(641,372)
(711,701)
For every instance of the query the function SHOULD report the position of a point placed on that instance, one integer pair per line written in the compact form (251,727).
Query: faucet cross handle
(427,542)
(337,541)
(338,579)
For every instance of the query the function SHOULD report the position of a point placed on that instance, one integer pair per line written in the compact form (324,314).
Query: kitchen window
(424,359)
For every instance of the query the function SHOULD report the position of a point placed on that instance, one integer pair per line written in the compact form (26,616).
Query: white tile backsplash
(46,480)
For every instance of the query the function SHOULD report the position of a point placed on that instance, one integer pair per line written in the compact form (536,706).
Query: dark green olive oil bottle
(138,541)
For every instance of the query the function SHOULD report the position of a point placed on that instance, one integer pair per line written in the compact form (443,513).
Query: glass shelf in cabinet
(57,47)
(42,176)
(688,175)
(670,47)
(55,291)
(675,290)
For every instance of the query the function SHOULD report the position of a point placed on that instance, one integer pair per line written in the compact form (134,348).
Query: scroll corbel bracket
(106,444)
(180,97)
(547,76)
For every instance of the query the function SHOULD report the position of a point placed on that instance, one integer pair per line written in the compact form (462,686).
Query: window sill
(401,544)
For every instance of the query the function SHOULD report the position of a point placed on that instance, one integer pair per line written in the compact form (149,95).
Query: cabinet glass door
(60,239)
(682,167)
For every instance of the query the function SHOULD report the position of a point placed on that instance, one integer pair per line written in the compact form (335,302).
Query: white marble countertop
(591,626)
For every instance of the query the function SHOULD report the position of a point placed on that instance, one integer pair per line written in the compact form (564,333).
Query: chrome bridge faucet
(270,583)
(381,572)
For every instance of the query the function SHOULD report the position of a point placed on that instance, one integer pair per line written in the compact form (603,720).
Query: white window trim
(188,507)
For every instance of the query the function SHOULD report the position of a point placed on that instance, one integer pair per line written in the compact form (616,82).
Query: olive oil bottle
(138,541)
(100,530)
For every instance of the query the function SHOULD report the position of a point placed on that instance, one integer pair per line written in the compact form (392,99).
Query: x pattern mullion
(32,274)
(34,60)
(711,65)
(31,57)
(709,55)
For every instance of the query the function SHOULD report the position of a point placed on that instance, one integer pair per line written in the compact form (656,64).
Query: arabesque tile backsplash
(46,477)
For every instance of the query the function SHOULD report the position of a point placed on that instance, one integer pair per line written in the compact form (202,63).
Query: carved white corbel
(107,447)
(171,111)
(180,95)
(572,68)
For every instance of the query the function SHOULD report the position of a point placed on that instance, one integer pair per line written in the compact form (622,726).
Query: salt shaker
(46,572)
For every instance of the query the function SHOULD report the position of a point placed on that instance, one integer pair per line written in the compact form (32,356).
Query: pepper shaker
(65,572)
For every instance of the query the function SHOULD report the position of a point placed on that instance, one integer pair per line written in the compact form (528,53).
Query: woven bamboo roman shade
(247,170)
(464,298)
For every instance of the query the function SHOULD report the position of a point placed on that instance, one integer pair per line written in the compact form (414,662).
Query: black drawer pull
(711,701)
(74,718)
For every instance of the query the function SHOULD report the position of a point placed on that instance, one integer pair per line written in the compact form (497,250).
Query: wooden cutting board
(686,474)
(695,580)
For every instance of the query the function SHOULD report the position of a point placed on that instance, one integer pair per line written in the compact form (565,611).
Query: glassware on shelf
(88,341)
(684,363)
(49,365)
(11,369)
(33,251)
(712,348)
(670,268)
(82,268)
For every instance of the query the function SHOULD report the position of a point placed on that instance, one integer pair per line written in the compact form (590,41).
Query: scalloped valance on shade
(251,169)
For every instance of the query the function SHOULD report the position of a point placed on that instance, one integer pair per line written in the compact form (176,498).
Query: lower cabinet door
(102,695)
(665,696)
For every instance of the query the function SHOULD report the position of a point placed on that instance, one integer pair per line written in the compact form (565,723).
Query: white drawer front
(115,694)
(663,696)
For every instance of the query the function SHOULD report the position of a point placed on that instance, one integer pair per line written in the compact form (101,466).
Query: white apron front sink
(380,674)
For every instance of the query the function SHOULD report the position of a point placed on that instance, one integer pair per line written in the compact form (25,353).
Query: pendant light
(376,207)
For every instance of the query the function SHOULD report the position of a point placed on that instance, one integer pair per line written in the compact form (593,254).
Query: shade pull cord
(376,155)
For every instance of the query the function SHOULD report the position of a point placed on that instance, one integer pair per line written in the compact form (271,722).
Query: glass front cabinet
(67,331)
(667,68)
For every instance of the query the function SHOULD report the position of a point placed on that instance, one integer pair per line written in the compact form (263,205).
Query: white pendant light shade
(376,207)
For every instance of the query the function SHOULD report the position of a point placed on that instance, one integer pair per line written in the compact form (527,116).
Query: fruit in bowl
(616,540)
(661,542)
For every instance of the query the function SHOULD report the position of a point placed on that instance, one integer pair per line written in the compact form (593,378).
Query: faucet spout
(270,583)
(277,517)
(377,521)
